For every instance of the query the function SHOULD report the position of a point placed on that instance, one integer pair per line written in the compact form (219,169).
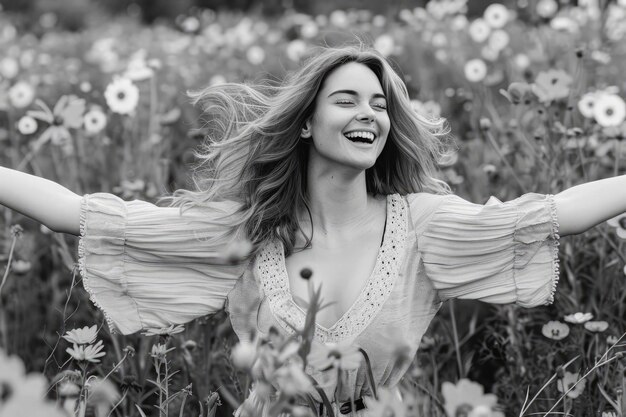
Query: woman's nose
(366,116)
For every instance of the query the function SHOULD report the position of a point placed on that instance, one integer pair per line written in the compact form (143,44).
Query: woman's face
(350,123)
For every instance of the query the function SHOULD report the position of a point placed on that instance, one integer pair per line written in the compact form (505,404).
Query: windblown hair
(253,154)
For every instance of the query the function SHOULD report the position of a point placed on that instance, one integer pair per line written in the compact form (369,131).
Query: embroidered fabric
(272,272)
(555,254)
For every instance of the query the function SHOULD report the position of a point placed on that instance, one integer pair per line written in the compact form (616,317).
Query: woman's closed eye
(376,105)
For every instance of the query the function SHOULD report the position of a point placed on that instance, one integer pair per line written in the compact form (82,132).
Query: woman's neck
(339,202)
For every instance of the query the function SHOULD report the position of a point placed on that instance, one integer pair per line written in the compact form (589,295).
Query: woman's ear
(306,130)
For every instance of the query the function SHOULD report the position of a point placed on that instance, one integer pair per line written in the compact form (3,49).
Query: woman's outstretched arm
(581,207)
(40,199)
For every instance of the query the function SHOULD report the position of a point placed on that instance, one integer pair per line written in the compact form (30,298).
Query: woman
(332,171)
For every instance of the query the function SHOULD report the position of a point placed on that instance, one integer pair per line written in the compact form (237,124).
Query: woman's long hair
(254,157)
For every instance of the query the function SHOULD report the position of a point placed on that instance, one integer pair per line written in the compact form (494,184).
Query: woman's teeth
(367,137)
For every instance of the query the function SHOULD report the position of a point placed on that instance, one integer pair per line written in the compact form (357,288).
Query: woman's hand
(40,199)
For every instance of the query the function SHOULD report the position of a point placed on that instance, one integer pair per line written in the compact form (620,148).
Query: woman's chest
(341,273)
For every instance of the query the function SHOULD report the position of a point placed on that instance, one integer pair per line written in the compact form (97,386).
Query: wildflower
(467,396)
(309,29)
(190,24)
(498,40)
(296,49)
(384,44)
(546,8)
(479,30)
(565,24)
(292,380)
(94,121)
(306,273)
(496,15)
(122,96)
(609,414)
(521,61)
(609,110)
(21,95)
(27,125)
(89,353)
(339,18)
(102,395)
(138,69)
(485,123)
(255,55)
(244,354)
(596,326)
(387,404)
(619,223)
(555,330)
(551,85)
(20,267)
(611,340)
(160,350)
(9,67)
(67,114)
(475,70)
(334,355)
(84,336)
(165,331)
(578,318)
(586,104)
(67,389)
(517,92)
(568,380)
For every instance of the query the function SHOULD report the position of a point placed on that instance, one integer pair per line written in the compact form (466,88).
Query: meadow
(533,93)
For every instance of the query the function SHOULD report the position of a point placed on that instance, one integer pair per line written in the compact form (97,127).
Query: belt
(346,408)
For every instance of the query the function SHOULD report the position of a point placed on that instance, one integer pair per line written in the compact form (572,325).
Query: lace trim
(555,248)
(275,282)
(81,263)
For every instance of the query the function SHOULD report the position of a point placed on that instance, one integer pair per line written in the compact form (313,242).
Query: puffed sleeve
(497,252)
(150,267)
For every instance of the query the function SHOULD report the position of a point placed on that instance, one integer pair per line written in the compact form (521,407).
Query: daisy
(475,70)
(9,68)
(255,55)
(578,318)
(334,355)
(498,40)
(521,61)
(552,85)
(467,396)
(555,330)
(21,95)
(66,114)
(547,8)
(122,96)
(596,326)
(88,353)
(160,350)
(94,121)
(296,49)
(609,110)
(569,379)
(84,336)
(619,223)
(384,44)
(27,125)
(339,18)
(479,30)
(309,29)
(496,15)
(387,404)
(165,331)
(586,104)
(20,267)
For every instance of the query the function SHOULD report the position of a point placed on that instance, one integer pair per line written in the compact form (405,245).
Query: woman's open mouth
(361,136)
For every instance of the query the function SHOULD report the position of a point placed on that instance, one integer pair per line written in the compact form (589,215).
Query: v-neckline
(377,287)
(284,273)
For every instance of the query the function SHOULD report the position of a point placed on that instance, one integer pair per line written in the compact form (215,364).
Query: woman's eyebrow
(354,93)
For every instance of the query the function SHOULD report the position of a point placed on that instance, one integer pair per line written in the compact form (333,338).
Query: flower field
(534,94)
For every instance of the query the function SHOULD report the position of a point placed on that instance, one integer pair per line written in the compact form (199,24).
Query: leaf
(140,411)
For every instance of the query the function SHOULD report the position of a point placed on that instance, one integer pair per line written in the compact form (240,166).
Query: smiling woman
(332,171)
